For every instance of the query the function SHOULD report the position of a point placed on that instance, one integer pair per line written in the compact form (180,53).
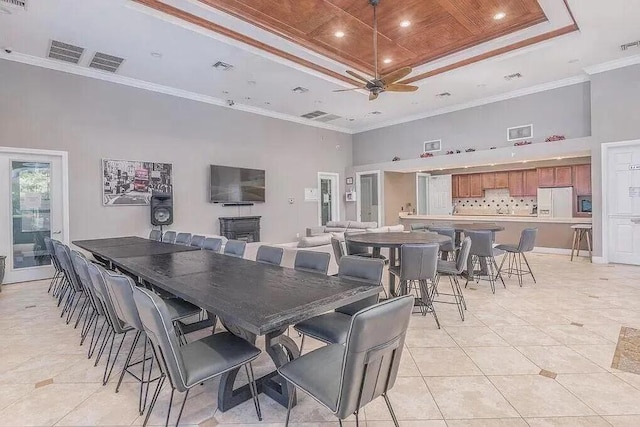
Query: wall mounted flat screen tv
(236,185)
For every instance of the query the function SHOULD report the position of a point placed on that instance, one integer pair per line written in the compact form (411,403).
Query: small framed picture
(520,132)
(350,180)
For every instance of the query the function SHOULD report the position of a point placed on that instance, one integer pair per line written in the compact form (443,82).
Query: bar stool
(580,232)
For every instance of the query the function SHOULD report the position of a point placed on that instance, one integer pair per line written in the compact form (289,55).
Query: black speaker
(161,208)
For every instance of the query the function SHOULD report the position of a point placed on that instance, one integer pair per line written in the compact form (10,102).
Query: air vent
(313,114)
(432,146)
(443,94)
(222,66)
(65,52)
(630,45)
(513,76)
(300,89)
(105,62)
(327,118)
(22,4)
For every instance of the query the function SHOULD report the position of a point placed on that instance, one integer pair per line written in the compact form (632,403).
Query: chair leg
(186,395)
(302,344)
(82,311)
(254,389)
(529,267)
(110,335)
(290,405)
(154,399)
(166,423)
(127,361)
(107,369)
(357,418)
(426,300)
(588,235)
(393,415)
(573,243)
(456,297)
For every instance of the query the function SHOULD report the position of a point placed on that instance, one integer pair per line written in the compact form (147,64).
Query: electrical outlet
(291,200)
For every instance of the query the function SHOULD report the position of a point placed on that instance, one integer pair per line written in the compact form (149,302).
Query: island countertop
(496,218)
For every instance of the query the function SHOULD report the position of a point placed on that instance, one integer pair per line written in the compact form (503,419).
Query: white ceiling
(262,83)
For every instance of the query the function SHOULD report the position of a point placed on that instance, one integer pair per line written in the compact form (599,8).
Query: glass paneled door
(31,208)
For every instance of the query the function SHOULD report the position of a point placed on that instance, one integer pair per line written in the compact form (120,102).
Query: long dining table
(250,299)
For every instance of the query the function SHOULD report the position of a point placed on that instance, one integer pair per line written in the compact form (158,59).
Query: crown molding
(613,65)
(479,102)
(166,90)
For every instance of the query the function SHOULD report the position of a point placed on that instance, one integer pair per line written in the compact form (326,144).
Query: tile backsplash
(493,201)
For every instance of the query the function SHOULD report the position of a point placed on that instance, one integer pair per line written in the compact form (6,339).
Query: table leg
(281,349)
(392,278)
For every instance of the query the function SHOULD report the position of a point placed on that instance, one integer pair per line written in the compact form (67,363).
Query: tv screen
(236,185)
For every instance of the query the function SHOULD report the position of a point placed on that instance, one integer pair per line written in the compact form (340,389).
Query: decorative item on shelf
(493,148)
(469,150)
(450,152)
(425,155)
(395,159)
(350,180)
(555,138)
(521,143)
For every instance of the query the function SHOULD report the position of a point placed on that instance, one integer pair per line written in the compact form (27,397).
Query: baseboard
(557,251)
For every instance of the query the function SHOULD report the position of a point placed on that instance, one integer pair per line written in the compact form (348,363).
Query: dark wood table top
(478,226)
(396,239)
(259,298)
(130,246)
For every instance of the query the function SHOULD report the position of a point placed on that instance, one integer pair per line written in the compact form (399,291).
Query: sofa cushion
(337,224)
(378,230)
(334,230)
(396,228)
(309,242)
(362,225)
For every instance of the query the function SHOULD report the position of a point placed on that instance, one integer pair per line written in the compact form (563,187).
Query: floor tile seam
(576,396)
(637,387)
(434,399)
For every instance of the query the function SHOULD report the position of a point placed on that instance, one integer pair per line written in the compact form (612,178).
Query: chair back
(97,274)
(120,289)
(48,243)
(81,265)
(338,252)
(419,227)
(367,270)
(235,248)
(183,239)
(169,237)
(197,240)
(372,353)
(481,243)
(463,255)
(212,244)
(527,239)
(449,232)
(312,261)
(269,255)
(157,324)
(354,248)
(155,235)
(419,262)
(64,256)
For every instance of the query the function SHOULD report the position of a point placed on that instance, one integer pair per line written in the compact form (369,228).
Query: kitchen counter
(497,218)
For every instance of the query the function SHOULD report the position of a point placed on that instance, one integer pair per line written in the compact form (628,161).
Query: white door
(31,208)
(440,201)
(623,204)
(368,200)
(422,193)
(329,200)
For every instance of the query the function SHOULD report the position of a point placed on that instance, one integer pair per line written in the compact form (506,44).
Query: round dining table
(393,241)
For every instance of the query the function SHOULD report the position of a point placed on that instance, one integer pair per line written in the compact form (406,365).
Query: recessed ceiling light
(339,34)
(498,16)
(559,158)
(351,119)
(466,167)
(492,164)
(156,54)
(387,60)
(405,24)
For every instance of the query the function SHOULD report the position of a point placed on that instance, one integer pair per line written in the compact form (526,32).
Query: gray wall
(563,111)
(92,119)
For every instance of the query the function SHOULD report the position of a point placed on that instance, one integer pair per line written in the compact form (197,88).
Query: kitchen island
(554,234)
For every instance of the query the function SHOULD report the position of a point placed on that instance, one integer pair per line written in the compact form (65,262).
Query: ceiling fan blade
(397,87)
(347,90)
(394,76)
(358,76)
(372,96)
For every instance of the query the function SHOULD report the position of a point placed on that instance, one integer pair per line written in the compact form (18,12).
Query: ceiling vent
(314,114)
(443,94)
(327,118)
(300,89)
(222,66)
(105,62)
(432,146)
(630,45)
(65,52)
(513,76)
(19,4)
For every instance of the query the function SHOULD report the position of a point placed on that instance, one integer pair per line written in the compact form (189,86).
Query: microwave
(584,204)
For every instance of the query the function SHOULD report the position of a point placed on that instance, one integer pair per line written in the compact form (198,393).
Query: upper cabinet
(488,181)
(475,185)
(564,176)
(516,183)
(530,185)
(560,176)
(546,177)
(502,179)
(454,186)
(582,180)
(464,189)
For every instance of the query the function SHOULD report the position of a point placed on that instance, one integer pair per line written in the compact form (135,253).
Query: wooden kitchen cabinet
(530,185)
(464,189)
(502,179)
(488,181)
(563,176)
(546,177)
(454,186)
(475,185)
(582,180)
(516,183)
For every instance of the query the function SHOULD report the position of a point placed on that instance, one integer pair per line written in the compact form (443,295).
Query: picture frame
(350,180)
(518,133)
(131,182)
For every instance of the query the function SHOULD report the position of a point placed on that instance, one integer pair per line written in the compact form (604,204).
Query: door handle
(56,232)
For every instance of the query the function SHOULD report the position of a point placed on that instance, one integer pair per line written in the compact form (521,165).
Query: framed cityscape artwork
(130,182)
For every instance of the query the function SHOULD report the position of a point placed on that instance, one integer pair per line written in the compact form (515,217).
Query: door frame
(64,161)
(603,190)
(428,176)
(359,198)
(335,202)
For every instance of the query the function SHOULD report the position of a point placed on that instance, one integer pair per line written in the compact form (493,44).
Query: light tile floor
(484,372)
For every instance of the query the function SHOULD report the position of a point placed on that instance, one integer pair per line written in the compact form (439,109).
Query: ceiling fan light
(339,34)
(387,60)
(405,24)
(498,16)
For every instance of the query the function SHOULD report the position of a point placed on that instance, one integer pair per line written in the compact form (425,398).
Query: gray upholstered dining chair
(419,227)
(58,275)
(194,363)
(235,248)
(183,239)
(448,249)
(354,248)
(212,244)
(345,378)
(73,290)
(515,255)
(95,310)
(196,241)
(338,250)
(169,237)
(483,257)
(418,269)
(453,270)
(332,327)
(312,261)
(155,235)
(269,255)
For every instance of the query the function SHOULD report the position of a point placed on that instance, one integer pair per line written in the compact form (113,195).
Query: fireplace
(246,228)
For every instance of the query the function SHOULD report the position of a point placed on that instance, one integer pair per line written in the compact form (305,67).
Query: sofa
(339,227)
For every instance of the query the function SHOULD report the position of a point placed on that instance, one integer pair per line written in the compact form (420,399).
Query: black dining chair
(155,235)
(516,253)
(169,237)
(312,261)
(345,378)
(213,244)
(235,248)
(197,240)
(269,255)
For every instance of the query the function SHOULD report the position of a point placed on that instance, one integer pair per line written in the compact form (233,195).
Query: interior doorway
(368,197)
(33,205)
(328,197)
(621,197)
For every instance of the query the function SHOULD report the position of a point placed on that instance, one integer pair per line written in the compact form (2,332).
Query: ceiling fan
(386,83)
